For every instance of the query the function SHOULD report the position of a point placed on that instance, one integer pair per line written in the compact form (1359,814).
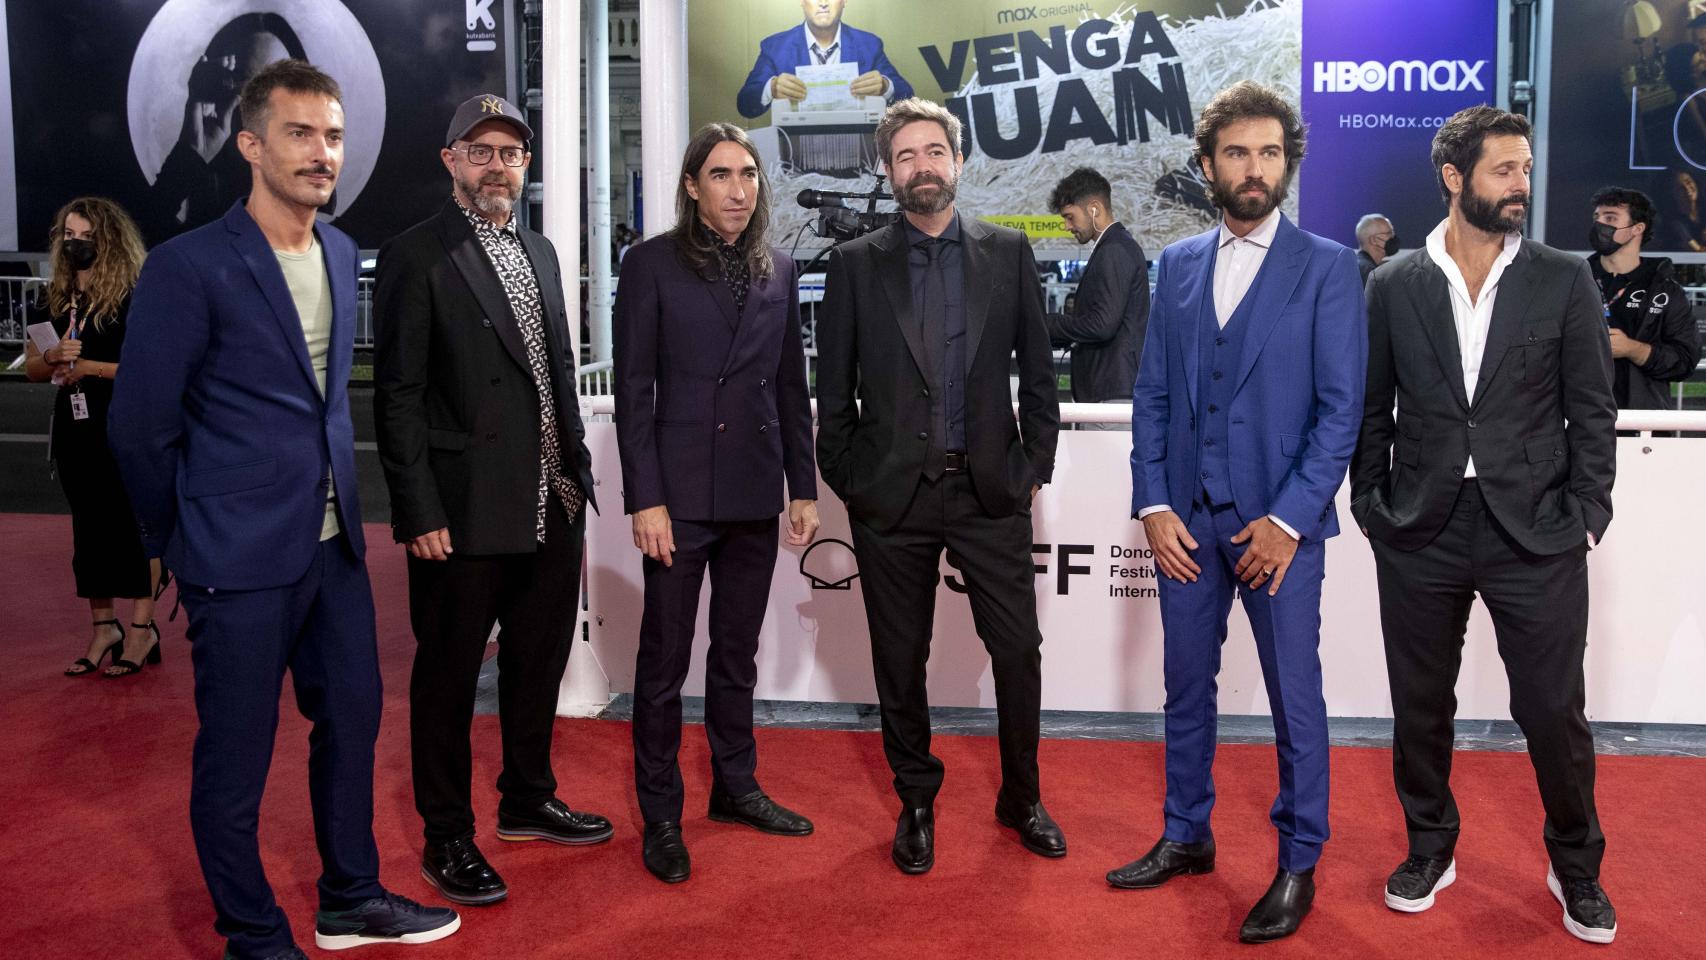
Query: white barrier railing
(1644,421)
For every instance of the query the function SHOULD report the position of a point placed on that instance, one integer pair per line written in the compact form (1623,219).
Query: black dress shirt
(950,354)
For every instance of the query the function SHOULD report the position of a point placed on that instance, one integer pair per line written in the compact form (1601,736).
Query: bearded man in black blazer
(920,322)
(1493,477)
(712,414)
(481,439)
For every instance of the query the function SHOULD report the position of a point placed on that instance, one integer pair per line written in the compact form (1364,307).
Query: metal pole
(559,142)
(663,107)
(598,175)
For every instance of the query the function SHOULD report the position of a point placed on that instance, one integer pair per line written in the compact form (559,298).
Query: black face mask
(79,253)
(1601,239)
(1392,245)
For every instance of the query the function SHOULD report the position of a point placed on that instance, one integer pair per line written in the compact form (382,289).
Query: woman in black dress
(96,254)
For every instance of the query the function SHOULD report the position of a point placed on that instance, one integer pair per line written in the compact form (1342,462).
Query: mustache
(924,177)
(1254,184)
(1518,198)
(318,169)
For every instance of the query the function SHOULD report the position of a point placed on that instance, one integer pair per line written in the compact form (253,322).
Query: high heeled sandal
(124,668)
(82,666)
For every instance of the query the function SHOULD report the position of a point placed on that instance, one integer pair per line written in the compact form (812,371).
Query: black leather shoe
(1281,910)
(1164,861)
(553,821)
(461,873)
(293,953)
(1411,887)
(665,853)
(914,849)
(1588,913)
(759,812)
(1037,830)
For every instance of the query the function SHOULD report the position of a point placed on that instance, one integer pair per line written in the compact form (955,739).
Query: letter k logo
(480,11)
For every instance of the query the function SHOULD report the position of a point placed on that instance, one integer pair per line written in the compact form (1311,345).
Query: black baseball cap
(486,106)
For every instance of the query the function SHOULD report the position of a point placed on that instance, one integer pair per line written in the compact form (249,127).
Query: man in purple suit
(712,415)
(822,39)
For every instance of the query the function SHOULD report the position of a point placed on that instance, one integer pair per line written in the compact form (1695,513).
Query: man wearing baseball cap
(481,439)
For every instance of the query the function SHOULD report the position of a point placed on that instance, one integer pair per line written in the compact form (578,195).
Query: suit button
(1557,453)
(764,428)
(1532,338)
(1205,474)
(494,381)
(1208,443)
(1217,374)
(1213,409)
(1471,424)
(721,381)
(1220,341)
(764,383)
(491,436)
(925,392)
(485,321)
(923,436)
(722,428)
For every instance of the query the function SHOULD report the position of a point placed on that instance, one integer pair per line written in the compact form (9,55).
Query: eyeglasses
(480,154)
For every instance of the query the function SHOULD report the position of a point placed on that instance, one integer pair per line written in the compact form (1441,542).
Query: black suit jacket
(870,349)
(1541,424)
(1107,326)
(454,401)
(711,408)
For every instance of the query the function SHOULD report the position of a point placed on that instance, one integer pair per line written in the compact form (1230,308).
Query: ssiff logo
(482,25)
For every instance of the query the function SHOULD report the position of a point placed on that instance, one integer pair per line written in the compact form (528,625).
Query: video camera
(838,221)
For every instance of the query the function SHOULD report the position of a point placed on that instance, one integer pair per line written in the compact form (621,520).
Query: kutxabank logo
(482,25)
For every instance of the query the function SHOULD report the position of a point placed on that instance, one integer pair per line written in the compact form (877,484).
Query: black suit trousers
(1539,607)
(741,557)
(452,606)
(898,569)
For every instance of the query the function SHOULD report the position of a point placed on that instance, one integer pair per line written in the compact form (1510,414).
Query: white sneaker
(1588,913)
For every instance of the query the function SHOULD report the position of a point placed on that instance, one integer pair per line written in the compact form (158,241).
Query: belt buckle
(954,463)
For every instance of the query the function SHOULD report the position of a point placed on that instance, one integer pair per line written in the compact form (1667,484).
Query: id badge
(79,406)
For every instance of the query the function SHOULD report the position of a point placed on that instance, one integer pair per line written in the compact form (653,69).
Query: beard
(1248,209)
(491,204)
(1486,215)
(928,202)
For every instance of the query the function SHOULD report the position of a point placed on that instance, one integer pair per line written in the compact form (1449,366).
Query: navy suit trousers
(320,628)
(1287,629)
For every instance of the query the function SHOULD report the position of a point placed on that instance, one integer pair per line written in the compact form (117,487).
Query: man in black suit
(481,441)
(710,380)
(1494,477)
(1106,326)
(921,321)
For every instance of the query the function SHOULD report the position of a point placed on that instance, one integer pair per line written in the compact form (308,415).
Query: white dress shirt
(821,55)
(1472,318)
(1236,264)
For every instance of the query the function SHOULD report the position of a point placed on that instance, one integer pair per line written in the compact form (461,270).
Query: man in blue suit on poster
(231,428)
(822,39)
(1244,418)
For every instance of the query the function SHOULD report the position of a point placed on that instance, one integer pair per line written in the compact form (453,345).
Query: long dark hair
(691,243)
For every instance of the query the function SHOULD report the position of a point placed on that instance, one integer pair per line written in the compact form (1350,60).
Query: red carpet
(99,863)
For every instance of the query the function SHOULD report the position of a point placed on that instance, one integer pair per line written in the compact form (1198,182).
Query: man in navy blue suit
(822,39)
(231,428)
(1244,419)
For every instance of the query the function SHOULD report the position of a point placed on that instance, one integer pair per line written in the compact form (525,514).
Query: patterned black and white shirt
(732,259)
(503,248)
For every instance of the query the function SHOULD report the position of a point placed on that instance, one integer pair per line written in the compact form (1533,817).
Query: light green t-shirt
(305,275)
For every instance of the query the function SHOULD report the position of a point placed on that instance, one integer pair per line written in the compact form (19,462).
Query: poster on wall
(1041,89)
(1378,81)
(1627,107)
(136,100)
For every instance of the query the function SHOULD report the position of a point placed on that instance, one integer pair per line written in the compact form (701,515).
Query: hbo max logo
(1372,76)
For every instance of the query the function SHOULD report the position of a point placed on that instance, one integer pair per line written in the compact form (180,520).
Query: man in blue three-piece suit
(822,39)
(231,428)
(1244,418)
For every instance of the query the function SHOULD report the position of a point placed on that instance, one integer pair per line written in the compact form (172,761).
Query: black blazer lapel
(482,279)
(1430,300)
(551,301)
(977,255)
(895,275)
(726,301)
(1510,304)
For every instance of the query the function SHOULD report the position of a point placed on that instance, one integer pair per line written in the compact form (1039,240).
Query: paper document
(829,85)
(43,336)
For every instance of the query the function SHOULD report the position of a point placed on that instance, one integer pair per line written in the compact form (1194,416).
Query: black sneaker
(291,954)
(1588,913)
(1412,886)
(387,919)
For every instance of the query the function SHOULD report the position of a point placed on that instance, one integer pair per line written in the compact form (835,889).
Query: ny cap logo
(492,105)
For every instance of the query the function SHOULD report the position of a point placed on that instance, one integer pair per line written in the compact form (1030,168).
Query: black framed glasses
(480,154)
